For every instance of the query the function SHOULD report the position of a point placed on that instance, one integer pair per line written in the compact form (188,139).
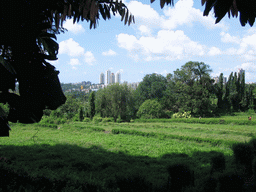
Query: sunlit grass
(79,153)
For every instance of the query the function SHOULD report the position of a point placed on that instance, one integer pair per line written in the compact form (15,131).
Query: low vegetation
(138,156)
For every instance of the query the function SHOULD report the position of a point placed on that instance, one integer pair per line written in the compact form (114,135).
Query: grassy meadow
(80,156)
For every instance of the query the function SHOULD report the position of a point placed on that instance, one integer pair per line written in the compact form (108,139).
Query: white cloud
(144,14)
(120,71)
(71,48)
(74,28)
(89,58)
(144,30)
(74,62)
(54,62)
(109,53)
(214,51)
(227,38)
(164,73)
(169,45)
(250,70)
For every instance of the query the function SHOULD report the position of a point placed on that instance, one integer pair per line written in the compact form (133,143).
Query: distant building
(102,78)
(134,85)
(108,73)
(216,79)
(240,71)
(118,77)
(112,78)
(224,80)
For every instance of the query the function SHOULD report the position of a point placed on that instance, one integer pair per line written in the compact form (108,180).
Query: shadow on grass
(65,167)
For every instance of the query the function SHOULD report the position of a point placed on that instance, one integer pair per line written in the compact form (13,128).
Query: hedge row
(200,121)
(214,142)
(47,125)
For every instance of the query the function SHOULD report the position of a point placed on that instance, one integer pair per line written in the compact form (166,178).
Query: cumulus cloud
(74,28)
(169,45)
(144,30)
(71,48)
(227,38)
(144,14)
(183,13)
(109,53)
(89,58)
(120,71)
(214,51)
(250,70)
(74,62)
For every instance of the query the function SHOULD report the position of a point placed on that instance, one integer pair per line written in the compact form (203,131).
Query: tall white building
(112,78)
(108,73)
(102,78)
(241,71)
(118,77)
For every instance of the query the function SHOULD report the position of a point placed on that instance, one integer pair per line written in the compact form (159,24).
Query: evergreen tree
(81,114)
(92,104)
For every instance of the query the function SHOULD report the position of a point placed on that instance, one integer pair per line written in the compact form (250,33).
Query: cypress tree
(92,104)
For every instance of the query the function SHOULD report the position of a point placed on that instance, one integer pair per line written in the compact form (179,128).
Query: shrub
(133,183)
(243,153)
(108,119)
(182,115)
(86,119)
(97,119)
(76,117)
(210,185)
(168,114)
(252,142)
(230,182)
(115,131)
(181,176)
(218,163)
(119,120)
(150,109)
(254,166)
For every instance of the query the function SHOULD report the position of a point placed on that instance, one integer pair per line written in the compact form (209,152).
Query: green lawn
(77,153)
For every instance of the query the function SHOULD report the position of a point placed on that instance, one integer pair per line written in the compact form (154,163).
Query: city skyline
(109,78)
(161,41)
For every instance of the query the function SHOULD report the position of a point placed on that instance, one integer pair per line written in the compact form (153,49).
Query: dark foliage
(180,176)
(218,163)
(230,182)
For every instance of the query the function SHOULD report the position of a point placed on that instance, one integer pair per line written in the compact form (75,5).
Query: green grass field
(87,154)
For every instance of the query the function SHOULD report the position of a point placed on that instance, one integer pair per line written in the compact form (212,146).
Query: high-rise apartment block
(102,78)
(108,73)
(118,77)
(241,71)
(112,78)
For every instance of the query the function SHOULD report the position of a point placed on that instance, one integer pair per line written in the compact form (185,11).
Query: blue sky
(160,41)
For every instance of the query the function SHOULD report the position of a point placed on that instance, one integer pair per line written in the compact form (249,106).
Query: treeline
(188,91)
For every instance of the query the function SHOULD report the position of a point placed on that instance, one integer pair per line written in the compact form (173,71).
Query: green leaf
(126,17)
(7,65)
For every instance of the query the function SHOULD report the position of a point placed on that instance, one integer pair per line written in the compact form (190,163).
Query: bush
(108,119)
(133,183)
(119,120)
(181,176)
(182,115)
(76,117)
(243,153)
(230,182)
(97,119)
(150,109)
(86,119)
(218,163)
